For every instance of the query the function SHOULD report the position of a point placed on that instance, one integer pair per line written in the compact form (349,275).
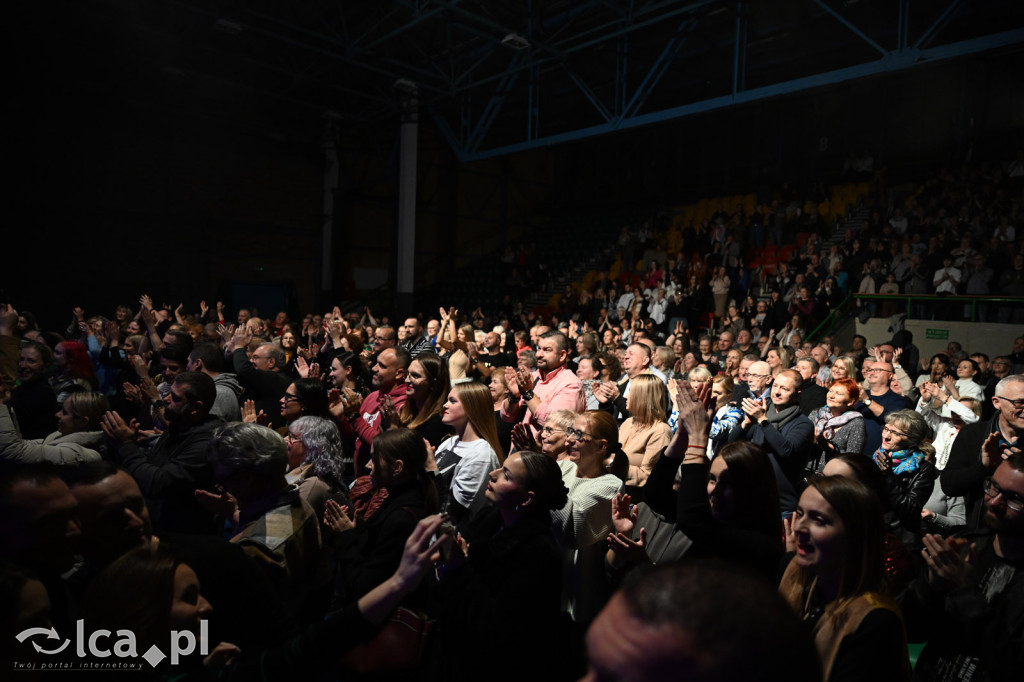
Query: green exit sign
(942,334)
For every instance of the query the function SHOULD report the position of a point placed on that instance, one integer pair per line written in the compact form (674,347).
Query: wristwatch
(527,396)
(159,404)
(867,400)
(763,422)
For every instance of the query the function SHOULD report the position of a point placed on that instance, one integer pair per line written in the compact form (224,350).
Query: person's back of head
(211,355)
(251,457)
(38,522)
(701,620)
(199,390)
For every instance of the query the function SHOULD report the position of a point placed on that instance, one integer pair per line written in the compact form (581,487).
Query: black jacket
(170,472)
(907,495)
(262,386)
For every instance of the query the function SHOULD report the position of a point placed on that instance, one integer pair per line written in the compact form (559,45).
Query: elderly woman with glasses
(906,459)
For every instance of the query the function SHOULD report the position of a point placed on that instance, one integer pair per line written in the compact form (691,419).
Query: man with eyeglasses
(979,448)
(260,374)
(969,601)
(878,401)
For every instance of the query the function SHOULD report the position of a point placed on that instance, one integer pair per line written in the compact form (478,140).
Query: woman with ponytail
(594,474)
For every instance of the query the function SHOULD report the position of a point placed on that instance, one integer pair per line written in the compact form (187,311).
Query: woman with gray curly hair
(316,457)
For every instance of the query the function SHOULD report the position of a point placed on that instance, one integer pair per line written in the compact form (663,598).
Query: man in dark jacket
(969,603)
(170,472)
(777,426)
(980,447)
(262,375)
(812,396)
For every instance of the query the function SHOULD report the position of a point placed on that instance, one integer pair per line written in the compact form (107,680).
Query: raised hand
(623,514)
(693,414)
(78,313)
(525,380)
(203,309)
(633,551)
(146,302)
(512,381)
(250,416)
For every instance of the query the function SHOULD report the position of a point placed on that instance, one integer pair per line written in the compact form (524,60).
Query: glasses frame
(988,485)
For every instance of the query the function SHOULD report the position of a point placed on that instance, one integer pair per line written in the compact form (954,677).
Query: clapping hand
(116,428)
(522,438)
(623,513)
(336,517)
(250,416)
(947,567)
(306,370)
(221,503)
(389,417)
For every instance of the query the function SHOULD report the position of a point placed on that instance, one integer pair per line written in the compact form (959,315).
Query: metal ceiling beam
(845,22)
(657,70)
(620,30)
(593,98)
(940,23)
(892,63)
(495,103)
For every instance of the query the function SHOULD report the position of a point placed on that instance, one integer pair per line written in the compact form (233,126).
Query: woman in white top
(965,386)
(584,523)
(465,460)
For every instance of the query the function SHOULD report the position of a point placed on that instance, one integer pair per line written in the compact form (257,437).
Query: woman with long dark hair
(510,579)
(427,389)
(836,582)
(370,536)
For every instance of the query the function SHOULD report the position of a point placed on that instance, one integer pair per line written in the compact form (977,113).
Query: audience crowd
(668,471)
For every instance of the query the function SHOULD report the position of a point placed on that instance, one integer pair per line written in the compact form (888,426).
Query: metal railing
(841,311)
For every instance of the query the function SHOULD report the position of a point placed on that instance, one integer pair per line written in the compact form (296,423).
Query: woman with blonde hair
(646,433)
(727,415)
(464,461)
(844,368)
(778,359)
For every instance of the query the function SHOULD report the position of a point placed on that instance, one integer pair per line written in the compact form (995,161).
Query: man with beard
(531,398)
(114,520)
(969,603)
(171,470)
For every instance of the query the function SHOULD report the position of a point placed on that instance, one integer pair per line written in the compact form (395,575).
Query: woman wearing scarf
(906,461)
(778,427)
(838,428)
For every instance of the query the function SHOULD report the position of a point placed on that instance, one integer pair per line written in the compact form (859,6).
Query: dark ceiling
(280,69)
